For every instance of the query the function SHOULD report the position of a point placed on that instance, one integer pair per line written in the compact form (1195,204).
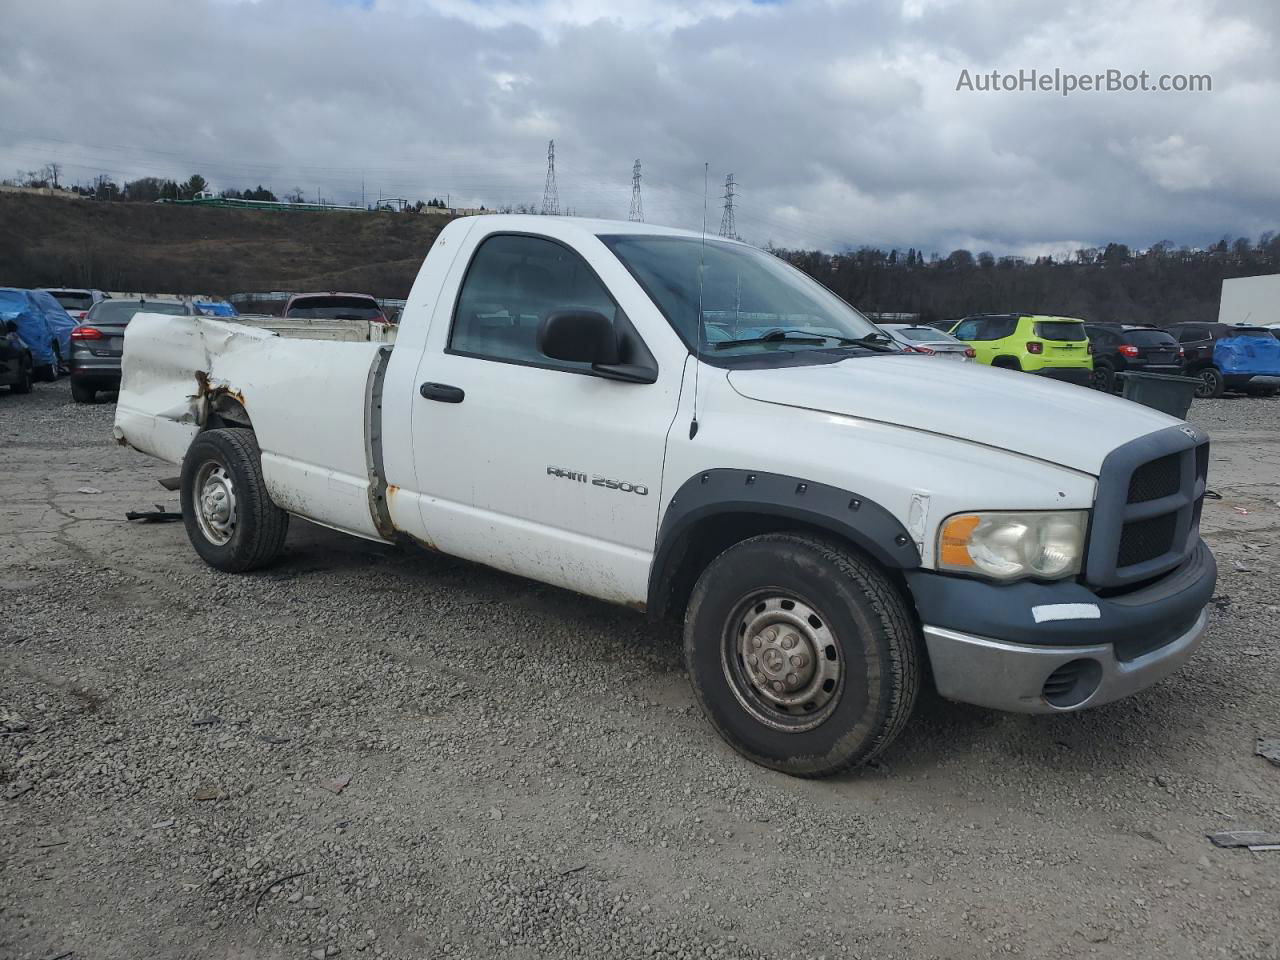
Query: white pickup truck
(693,428)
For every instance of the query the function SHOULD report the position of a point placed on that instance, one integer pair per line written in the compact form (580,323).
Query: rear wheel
(1212,384)
(82,392)
(45,373)
(24,377)
(802,654)
(1102,378)
(230,518)
(1006,363)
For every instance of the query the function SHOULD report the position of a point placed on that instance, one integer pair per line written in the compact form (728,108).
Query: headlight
(1046,544)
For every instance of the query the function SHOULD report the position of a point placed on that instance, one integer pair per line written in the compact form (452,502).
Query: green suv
(1055,347)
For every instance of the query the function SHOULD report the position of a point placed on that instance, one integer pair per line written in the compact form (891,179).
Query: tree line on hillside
(1160,285)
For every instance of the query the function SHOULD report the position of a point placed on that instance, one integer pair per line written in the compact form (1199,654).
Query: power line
(728,228)
(550,194)
(637,207)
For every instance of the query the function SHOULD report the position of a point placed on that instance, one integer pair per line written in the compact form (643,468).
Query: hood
(1071,426)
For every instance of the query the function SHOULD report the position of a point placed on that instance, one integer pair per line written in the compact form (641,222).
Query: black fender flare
(844,513)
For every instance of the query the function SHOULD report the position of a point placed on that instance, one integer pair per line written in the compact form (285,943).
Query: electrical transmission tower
(728,228)
(637,206)
(550,195)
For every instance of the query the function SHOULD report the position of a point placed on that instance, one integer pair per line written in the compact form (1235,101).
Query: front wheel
(802,654)
(230,518)
(1211,385)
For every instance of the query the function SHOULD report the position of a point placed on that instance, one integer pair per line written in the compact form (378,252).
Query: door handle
(442,392)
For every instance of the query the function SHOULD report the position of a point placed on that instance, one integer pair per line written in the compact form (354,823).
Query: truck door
(528,464)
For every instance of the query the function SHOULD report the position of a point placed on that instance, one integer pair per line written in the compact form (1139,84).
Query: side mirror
(579,336)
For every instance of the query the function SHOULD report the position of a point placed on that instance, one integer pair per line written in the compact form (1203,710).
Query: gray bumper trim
(1010,676)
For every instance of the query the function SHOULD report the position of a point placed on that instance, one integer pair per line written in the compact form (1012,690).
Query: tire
(83,393)
(230,518)
(45,373)
(24,379)
(1212,384)
(865,673)
(1006,363)
(1103,378)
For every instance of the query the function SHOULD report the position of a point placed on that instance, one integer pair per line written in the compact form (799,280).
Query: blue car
(44,326)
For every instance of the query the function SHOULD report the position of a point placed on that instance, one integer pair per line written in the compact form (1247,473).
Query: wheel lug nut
(753,660)
(789,640)
(791,679)
(797,662)
(757,642)
(777,686)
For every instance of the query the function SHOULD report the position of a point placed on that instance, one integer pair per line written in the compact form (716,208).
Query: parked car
(213,308)
(1054,347)
(43,325)
(334,306)
(915,338)
(1227,357)
(830,519)
(98,344)
(1125,347)
(17,369)
(76,302)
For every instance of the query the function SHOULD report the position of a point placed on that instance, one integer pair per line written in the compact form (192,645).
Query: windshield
(1061,330)
(74,301)
(924,334)
(335,308)
(744,295)
(122,311)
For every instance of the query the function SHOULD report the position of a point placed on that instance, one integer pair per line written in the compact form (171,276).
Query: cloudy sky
(841,121)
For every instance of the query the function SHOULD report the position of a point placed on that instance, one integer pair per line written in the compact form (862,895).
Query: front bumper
(1015,677)
(1045,648)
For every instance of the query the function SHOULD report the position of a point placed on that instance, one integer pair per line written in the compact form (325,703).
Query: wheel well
(711,536)
(1009,363)
(226,410)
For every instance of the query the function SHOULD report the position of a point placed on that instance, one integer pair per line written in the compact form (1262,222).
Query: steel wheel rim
(782,661)
(215,505)
(1208,381)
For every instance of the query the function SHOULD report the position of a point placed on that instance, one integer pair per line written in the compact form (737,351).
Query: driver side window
(511,284)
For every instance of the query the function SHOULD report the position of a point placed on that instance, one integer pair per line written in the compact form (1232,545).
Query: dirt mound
(163,247)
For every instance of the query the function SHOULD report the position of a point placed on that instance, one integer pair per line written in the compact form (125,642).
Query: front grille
(1143,540)
(1159,478)
(1147,510)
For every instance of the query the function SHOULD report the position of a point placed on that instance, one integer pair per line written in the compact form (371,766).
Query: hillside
(46,241)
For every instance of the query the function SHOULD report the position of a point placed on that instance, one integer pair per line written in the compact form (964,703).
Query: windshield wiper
(776,336)
(872,341)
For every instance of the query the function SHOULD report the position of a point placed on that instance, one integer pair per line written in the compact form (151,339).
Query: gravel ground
(370,752)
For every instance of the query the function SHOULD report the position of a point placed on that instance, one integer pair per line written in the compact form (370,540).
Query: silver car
(917,338)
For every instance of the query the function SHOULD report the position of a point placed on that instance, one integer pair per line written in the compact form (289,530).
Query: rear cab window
(335,308)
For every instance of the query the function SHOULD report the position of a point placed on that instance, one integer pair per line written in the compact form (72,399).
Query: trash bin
(1165,392)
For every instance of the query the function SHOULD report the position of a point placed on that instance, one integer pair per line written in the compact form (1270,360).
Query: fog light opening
(1072,683)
